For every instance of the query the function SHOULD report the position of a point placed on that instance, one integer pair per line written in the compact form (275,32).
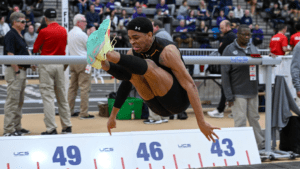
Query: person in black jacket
(228,38)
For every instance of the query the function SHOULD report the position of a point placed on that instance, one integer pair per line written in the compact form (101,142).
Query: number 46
(156,153)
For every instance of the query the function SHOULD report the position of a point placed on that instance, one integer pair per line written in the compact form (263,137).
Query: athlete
(156,68)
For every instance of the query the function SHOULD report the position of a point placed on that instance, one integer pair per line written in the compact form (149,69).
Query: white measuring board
(169,149)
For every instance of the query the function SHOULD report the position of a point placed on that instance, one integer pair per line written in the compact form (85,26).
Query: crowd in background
(204,19)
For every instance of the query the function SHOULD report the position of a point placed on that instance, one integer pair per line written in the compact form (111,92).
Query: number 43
(215,148)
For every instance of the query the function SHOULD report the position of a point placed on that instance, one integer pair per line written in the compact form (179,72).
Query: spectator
(221,18)
(253,6)
(226,6)
(82,6)
(124,19)
(13,3)
(29,17)
(234,27)
(228,39)
(246,19)
(183,37)
(232,19)
(164,7)
(15,77)
(213,6)
(285,14)
(114,19)
(183,10)
(276,15)
(139,13)
(4,7)
(30,37)
(171,5)
(203,14)
(158,14)
(79,76)
(99,9)
(15,9)
(110,5)
(121,37)
(202,38)
(295,38)
(92,17)
(38,8)
(294,7)
(238,12)
(52,40)
(257,35)
(136,5)
(191,21)
(236,78)
(29,3)
(159,30)
(279,42)
(4,28)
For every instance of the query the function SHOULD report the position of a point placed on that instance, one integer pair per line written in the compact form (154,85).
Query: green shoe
(98,45)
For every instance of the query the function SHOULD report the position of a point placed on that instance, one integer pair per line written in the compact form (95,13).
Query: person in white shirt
(80,74)
(4,28)
(238,12)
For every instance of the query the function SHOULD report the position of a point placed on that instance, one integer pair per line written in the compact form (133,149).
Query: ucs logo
(106,149)
(16,154)
(184,146)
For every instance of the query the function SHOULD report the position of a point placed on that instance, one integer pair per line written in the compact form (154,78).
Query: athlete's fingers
(216,128)
(109,129)
(212,138)
(207,137)
(215,135)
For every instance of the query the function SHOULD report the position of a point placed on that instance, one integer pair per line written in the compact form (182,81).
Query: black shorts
(174,102)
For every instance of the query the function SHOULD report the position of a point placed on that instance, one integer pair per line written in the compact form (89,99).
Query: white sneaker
(215,113)
(152,122)
(165,120)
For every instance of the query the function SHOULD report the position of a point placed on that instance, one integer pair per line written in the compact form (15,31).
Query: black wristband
(18,72)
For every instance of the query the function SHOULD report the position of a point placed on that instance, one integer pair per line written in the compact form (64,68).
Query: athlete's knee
(151,65)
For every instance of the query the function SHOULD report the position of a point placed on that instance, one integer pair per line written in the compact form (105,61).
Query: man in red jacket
(52,40)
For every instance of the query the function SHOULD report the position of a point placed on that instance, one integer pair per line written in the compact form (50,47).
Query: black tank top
(154,52)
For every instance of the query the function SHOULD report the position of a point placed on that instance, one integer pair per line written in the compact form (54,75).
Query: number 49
(73,152)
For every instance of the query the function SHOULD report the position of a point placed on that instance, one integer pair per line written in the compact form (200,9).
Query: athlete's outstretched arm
(170,57)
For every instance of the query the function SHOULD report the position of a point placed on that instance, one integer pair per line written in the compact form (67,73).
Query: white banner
(173,149)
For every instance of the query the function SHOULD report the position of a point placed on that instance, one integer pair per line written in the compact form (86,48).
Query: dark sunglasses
(22,21)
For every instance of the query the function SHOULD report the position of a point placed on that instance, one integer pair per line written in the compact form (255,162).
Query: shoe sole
(86,118)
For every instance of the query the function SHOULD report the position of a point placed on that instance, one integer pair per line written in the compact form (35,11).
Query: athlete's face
(141,42)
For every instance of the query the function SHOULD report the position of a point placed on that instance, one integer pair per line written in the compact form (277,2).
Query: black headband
(140,24)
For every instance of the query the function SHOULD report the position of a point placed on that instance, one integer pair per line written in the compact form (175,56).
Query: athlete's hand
(105,65)
(112,123)
(208,132)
